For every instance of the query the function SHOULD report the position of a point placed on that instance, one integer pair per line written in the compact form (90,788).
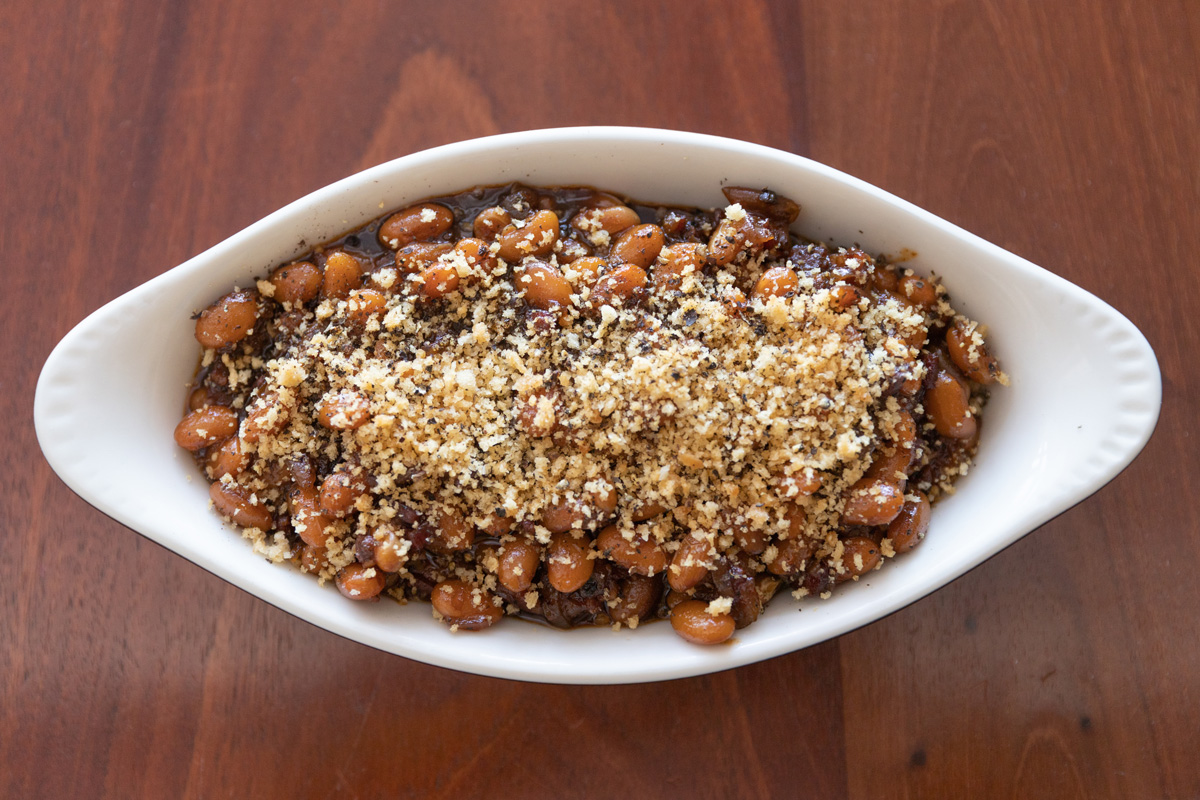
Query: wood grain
(137,134)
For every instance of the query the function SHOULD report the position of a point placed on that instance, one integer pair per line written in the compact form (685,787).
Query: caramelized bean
(200,397)
(859,556)
(478,257)
(518,565)
(724,244)
(947,402)
(205,427)
(567,564)
(543,285)
(419,256)
(677,262)
(791,555)
(228,320)
(344,410)
(343,274)
(439,280)
(872,502)
(365,303)
(639,245)
(307,520)
(339,492)
(266,416)
(845,296)
(358,582)
(535,238)
(391,549)
(537,413)
(496,525)
(228,459)
(690,564)
(799,484)
(639,595)
(489,222)
(454,533)
(241,505)
(777,281)
(645,510)
(918,291)
(610,218)
(464,606)
(587,271)
(563,515)
(908,529)
(764,202)
(416,223)
(691,620)
(969,352)
(641,556)
(621,286)
(313,559)
(296,283)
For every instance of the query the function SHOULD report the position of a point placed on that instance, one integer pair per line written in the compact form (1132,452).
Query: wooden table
(135,134)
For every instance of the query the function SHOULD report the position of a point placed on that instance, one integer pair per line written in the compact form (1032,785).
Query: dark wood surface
(135,134)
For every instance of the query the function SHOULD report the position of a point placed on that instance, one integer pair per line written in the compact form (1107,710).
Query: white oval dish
(1084,399)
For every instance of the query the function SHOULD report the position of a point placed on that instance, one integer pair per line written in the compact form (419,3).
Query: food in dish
(562,404)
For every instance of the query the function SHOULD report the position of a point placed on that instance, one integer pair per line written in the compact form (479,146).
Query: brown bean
(228,459)
(478,257)
(496,525)
(969,352)
(563,515)
(205,427)
(307,520)
(639,596)
(518,565)
(885,279)
(778,281)
(791,556)
(200,397)
(691,620)
(462,605)
(391,549)
(586,271)
(890,466)
(489,222)
(621,286)
(265,416)
(343,274)
(365,303)
(908,529)
(764,202)
(725,243)
(918,291)
(543,285)
(454,532)
(610,218)
(359,582)
(872,502)
(241,505)
(439,280)
(537,413)
(313,559)
(340,491)
(419,256)
(859,556)
(799,484)
(639,245)
(228,320)
(751,539)
(296,283)
(344,410)
(567,564)
(535,238)
(844,296)
(421,222)
(571,251)
(677,262)
(948,404)
(690,564)
(646,510)
(641,556)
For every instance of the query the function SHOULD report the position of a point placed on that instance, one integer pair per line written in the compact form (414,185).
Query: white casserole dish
(1084,399)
